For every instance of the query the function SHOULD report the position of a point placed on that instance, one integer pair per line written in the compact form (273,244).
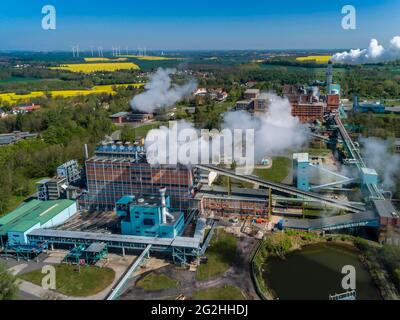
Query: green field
(143,130)
(219,293)
(279,170)
(87,282)
(19,79)
(220,254)
(156,282)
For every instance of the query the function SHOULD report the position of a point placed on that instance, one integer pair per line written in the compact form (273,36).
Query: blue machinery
(25,251)
(182,249)
(356,159)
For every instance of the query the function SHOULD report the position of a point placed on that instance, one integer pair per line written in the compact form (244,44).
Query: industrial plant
(120,203)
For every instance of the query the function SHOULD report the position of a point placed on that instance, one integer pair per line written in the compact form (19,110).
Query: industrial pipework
(165,212)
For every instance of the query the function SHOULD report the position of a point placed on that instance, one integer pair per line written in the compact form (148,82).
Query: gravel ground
(238,275)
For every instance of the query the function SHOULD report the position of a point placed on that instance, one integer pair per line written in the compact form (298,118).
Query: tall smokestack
(86,152)
(329,78)
(165,212)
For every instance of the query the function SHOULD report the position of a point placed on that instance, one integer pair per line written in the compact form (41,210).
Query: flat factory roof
(301,157)
(315,224)
(31,213)
(184,242)
(369,171)
(237,193)
(385,208)
(120,114)
(96,247)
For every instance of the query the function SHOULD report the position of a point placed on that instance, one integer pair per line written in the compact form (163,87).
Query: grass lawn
(219,293)
(143,130)
(157,282)
(279,171)
(87,282)
(220,254)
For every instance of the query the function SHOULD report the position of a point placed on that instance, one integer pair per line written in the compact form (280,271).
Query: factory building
(131,117)
(70,171)
(376,107)
(261,103)
(305,102)
(332,102)
(245,104)
(115,172)
(218,201)
(25,108)
(14,137)
(308,112)
(254,101)
(300,171)
(250,94)
(34,215)
(149,216)
(51,188)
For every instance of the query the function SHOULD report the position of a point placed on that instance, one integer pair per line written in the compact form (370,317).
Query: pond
(314,272)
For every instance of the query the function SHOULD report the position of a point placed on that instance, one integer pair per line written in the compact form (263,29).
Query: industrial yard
(190,174)
(162,224)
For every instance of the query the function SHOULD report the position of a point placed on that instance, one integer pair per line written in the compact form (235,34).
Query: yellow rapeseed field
(317,59)
(13,98)
(149,58)
(95,67)
(100,59)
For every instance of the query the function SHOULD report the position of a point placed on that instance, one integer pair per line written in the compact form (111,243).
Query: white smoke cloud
(373,54)
(161,93)
(274,132)
(377,155)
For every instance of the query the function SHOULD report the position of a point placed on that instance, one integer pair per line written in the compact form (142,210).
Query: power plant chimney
(329,78)
(165,212)
(86,152)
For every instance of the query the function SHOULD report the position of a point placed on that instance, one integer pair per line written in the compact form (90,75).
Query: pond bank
(323,254)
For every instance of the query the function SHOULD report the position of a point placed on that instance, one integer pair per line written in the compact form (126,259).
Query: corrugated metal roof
(184,242)
(385,208)
(96,247)
(31,213)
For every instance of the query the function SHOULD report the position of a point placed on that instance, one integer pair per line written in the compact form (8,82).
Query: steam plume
(274,132)
(377,155)
(373,54)
(161,93)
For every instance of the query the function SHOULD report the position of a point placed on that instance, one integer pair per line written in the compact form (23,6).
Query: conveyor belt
(284,188)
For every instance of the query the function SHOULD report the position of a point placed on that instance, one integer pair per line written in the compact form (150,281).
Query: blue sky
(185,25)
